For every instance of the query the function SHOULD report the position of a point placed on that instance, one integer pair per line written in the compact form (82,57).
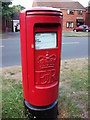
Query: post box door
(46,57)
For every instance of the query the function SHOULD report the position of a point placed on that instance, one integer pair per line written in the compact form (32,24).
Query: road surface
(72,47)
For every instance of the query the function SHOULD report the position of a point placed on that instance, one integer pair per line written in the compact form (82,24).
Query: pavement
(72,47)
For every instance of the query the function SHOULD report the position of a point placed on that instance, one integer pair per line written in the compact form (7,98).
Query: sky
(28,3)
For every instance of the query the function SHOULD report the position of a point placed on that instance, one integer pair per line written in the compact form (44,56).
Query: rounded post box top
(42,10)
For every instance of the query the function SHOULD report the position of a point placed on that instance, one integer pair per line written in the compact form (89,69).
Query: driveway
(72,47)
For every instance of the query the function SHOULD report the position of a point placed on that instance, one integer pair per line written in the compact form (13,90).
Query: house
(87,19)
(6,24)
(9,25)
(15,21)
(73,12)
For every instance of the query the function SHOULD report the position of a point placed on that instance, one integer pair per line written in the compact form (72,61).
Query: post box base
(46,112)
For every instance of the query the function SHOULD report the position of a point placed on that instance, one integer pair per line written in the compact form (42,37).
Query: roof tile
(62,5)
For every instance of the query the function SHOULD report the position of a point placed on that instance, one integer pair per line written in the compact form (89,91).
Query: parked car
(17,27)
(82,28)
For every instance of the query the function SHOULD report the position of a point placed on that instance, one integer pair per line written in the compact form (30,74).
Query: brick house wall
(3,25)
(6,25)
(70,21)
(87,17)
(71,18)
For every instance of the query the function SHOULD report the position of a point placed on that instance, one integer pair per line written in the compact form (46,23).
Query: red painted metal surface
(40,68)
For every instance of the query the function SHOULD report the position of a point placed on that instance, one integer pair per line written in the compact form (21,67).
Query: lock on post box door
(41,30)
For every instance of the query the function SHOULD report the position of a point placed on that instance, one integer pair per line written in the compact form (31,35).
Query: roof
(62,4)
(15,16)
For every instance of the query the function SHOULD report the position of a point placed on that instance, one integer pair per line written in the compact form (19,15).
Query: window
(45,40)
(79,12)
(69,24)
(70,12)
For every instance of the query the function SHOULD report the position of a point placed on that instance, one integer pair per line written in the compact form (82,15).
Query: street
(72,47)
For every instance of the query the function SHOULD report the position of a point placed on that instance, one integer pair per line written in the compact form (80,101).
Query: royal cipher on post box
(40,32)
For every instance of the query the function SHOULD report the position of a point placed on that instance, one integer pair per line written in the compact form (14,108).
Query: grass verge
(76,34)
(73,91)
(12,93)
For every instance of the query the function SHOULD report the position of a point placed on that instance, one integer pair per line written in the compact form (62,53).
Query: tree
(6,10)
(17,8)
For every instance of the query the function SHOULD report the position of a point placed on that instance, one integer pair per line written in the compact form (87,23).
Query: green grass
(80,79)
(0,35)
(12,99)
(76,34)
(73,91)
(11,73)
(68,107)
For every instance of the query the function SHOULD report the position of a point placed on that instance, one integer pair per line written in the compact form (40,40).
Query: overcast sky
(28,3)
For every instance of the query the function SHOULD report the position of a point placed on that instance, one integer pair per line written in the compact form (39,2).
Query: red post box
(40,32)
